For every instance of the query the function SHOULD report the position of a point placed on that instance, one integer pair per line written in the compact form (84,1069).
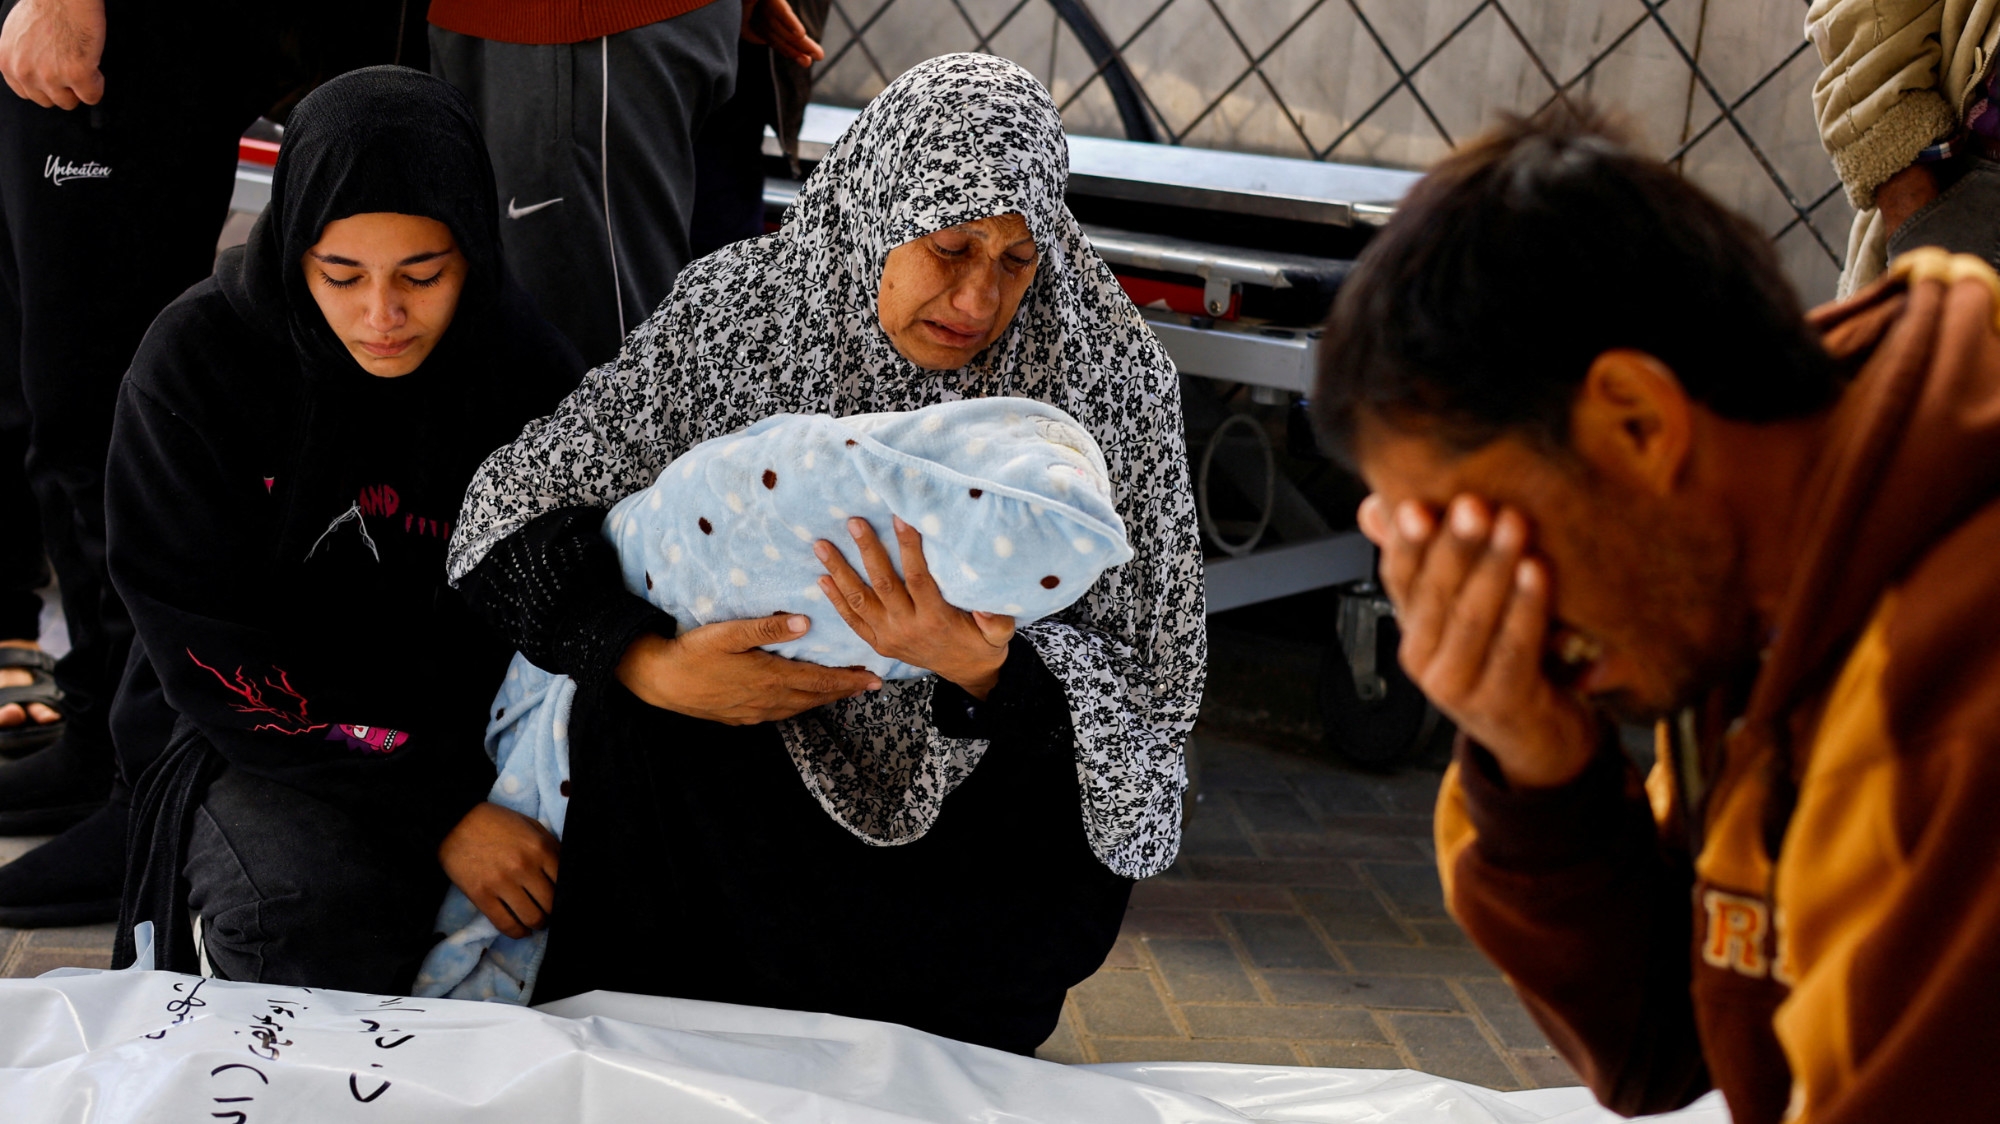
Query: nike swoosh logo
(514,212)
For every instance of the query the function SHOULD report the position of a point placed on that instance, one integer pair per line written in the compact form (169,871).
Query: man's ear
(1632,420)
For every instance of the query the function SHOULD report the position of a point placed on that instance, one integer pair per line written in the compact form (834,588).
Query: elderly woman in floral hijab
(951,852)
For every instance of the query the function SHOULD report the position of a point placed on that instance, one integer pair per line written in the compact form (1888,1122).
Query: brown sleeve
(1571,893)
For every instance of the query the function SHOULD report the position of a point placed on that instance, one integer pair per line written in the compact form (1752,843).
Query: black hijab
(390,139)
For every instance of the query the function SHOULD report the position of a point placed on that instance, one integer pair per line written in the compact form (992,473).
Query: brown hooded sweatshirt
(1837,830)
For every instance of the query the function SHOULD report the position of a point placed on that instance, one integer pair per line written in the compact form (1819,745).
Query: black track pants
(23,568)
(729,159)
(593,153)
(106,214)
(291,890)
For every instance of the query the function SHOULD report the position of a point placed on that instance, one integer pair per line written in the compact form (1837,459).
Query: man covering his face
(1617,474)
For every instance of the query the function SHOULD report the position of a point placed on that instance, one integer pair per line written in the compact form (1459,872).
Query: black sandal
(30,735)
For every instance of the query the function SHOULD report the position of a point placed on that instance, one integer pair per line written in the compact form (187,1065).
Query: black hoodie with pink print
(278,516)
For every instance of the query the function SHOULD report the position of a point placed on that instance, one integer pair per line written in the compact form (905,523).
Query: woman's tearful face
(388,285)
(948,294)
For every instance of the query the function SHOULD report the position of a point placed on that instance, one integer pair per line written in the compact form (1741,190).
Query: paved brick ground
(32,952)
(1302,926)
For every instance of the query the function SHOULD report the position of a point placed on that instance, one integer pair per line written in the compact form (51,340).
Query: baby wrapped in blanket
(1012,499)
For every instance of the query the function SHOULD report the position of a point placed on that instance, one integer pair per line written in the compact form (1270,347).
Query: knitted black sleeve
(552,589)
(1028,704)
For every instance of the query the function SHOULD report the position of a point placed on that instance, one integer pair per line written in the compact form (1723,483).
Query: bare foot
(12,714)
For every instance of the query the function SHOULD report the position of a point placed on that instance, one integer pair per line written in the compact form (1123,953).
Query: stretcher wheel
(1377,718)
(1251,532)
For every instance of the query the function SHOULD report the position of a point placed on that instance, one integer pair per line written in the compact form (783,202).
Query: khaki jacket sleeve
(1896,77)
(1878,98)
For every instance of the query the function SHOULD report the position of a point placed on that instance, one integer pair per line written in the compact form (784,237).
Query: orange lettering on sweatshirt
(1735,938)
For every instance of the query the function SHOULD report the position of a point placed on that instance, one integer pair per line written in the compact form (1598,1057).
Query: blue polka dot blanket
(1012,499)
(527,737)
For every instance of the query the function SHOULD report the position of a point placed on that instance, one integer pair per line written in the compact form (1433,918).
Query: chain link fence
(1720,88)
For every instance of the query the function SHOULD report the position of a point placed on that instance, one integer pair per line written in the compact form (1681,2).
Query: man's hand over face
(1474,610)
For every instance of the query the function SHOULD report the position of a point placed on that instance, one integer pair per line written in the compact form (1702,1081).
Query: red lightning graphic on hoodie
(288,722)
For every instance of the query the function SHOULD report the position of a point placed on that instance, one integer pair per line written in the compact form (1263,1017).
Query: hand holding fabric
(908,619)
(719,674)
(506,863)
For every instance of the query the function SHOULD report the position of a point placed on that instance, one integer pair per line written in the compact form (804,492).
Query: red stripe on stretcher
(256,151)
(1148,293)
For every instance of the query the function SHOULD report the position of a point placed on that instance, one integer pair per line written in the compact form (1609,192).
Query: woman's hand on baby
(719,673)
(506,863)
(907,618)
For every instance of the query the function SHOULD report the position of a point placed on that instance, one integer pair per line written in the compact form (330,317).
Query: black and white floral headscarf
(787,323)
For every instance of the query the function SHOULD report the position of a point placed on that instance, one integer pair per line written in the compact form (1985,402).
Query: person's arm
(49,51)
(1116,679)
(1877,97)
(1025,704)
(608,439)
(182,535)
(1905,193)
(1547,847)
(506,865)
(553,589)
(1891,1014)
(528,554)
(1889,876)
(773,24)
(1570,891)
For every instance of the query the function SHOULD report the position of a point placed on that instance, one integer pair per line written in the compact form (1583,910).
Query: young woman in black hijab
(292,445)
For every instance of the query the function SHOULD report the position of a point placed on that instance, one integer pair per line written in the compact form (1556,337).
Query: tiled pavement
(25,952)
(1302,926)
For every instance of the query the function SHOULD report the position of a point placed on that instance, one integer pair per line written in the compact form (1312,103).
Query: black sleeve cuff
(1543,829)
(552,589)
(1027,704)
(591,639)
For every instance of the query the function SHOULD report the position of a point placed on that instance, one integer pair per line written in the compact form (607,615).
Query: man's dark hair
(1528,253)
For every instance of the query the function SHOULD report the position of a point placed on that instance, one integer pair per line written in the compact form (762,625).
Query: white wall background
(1398,82)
